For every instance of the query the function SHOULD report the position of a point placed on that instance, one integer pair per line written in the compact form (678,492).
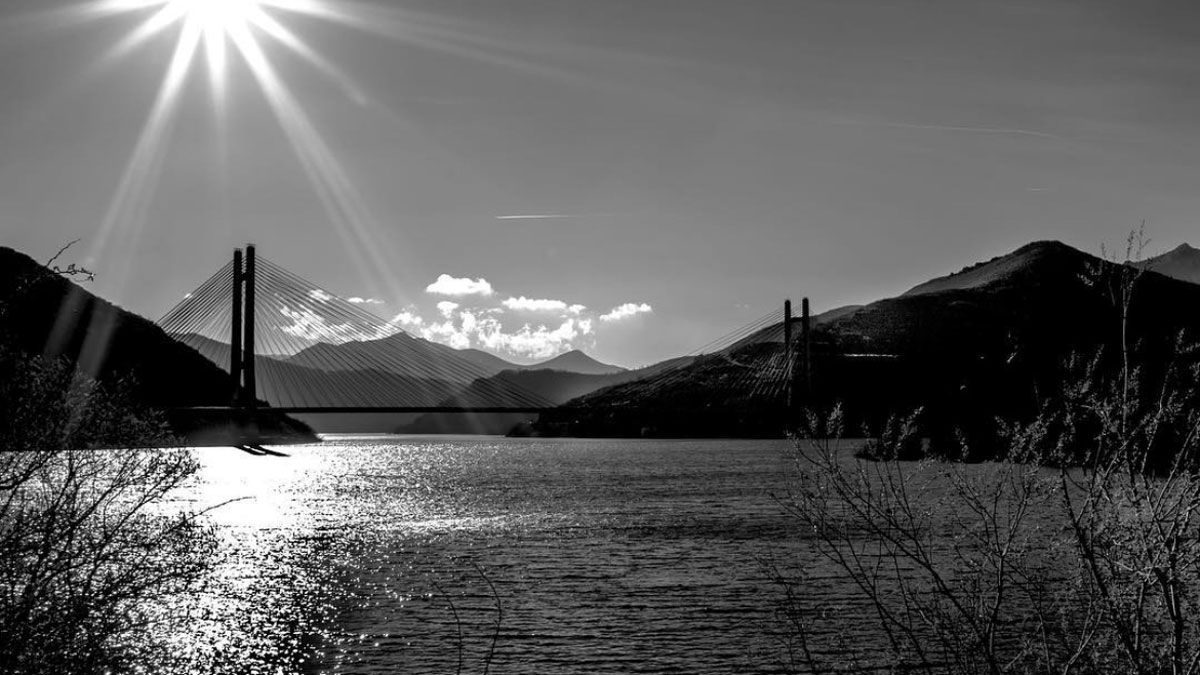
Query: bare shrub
(85,549)
(1078,550)
(88,553)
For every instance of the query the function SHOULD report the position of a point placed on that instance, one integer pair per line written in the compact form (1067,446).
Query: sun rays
(215,44)
(228,35)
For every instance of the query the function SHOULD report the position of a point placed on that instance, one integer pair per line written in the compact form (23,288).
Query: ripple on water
(380,555)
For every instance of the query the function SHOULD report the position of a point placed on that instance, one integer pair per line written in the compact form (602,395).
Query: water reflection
(381,555)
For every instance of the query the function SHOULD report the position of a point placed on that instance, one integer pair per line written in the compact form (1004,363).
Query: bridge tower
(788,357)
(799,366)
(241,338)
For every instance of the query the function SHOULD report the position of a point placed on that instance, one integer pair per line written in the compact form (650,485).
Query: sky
(630,177)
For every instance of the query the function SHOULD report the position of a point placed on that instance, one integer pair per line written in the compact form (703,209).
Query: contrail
(551,216)
(952,127)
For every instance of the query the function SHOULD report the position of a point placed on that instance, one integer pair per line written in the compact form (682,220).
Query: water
(427,555)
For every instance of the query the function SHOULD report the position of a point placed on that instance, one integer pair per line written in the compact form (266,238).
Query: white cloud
(528,341)
(576,309)
(309,325)
(531,305)
(407,318)
(364,301)
(447,334)
(480,327)
(626,310)
(456,287)
(319,295)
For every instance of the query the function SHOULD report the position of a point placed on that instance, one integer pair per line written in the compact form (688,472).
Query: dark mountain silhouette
(1181,262)
(49,315)
(967,346)
(1029,259)
(836,313)
(775,333)
(45,314)
(575,361)
(288,384)
(403,354)
(554,386)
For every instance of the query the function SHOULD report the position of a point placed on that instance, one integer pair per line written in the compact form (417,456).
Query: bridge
(293,347)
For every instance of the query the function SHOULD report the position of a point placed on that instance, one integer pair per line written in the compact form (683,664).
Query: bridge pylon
(798,365)
(241,338)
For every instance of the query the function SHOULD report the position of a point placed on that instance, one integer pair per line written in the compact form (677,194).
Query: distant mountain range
(549,380)
(1181,262)
(986,338)
(284,382)
(401,370)
(575,362)
(402,354)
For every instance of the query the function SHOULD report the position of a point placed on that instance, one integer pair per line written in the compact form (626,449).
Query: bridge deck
(298,410)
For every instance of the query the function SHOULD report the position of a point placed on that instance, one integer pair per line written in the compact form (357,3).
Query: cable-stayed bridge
(290,345)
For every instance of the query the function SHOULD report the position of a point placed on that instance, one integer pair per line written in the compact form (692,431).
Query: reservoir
(386,554)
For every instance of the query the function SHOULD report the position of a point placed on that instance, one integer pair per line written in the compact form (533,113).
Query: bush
(87,553)
(1076,550)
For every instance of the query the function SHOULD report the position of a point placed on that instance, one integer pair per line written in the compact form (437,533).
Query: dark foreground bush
(88,553)
(1076,551)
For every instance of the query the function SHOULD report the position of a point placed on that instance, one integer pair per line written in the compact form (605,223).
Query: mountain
(286,384)
(42,313)
(47,314)
(775,332)
(403,354)
(1181,262)
(555,387)
(576,362)
(1023,262)
(981,342)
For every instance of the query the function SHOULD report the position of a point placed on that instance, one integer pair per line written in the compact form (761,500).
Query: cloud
(456,287)
(576,309)
(309,325)
(531,305)
(319,295)
(626,310)
(527,341)
(364,301)
(481,328)
(447,334)
(407,318)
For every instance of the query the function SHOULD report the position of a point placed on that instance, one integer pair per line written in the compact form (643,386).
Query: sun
(218,16)
(243,40)
(240,37)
